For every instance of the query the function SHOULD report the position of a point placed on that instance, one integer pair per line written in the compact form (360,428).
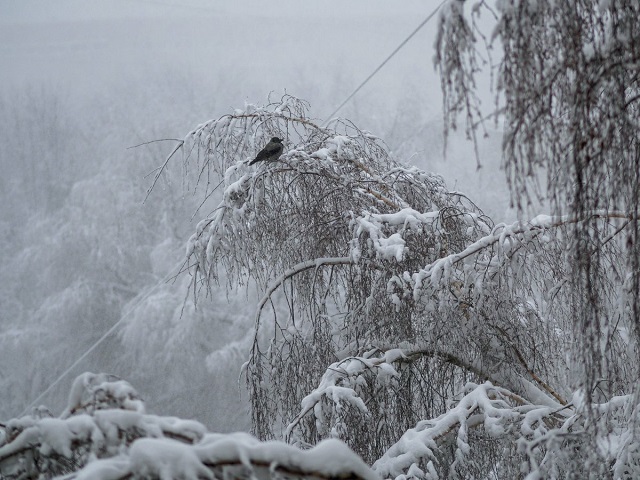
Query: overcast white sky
(269,45)
(72,10)
(246,49)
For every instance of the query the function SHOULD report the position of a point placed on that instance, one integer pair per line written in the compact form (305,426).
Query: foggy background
(83,80)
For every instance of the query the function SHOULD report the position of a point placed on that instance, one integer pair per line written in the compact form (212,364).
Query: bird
(270,153)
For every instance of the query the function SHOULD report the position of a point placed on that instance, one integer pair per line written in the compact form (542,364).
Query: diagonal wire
(404,42)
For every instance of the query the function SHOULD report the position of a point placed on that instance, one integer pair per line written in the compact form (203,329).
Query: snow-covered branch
(486,406)
(507,238)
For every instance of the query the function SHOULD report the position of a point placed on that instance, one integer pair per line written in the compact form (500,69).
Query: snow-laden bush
(105,433)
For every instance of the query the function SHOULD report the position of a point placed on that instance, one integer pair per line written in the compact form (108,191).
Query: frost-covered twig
(162,167)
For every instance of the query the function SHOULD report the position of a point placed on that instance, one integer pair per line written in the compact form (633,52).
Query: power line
(101,339)
(404,42)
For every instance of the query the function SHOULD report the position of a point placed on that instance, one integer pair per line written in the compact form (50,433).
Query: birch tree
(398,318)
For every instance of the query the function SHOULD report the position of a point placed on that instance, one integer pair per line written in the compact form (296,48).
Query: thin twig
(154,141)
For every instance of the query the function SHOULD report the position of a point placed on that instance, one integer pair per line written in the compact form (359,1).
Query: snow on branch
(485,406)
(393,246)
(228,456)
(342,380)
(507,239)
(334,387)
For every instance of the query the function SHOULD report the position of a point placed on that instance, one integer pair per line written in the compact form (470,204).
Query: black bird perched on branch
(271,152)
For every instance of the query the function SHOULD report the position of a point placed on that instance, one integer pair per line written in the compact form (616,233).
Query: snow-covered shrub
(105,433)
